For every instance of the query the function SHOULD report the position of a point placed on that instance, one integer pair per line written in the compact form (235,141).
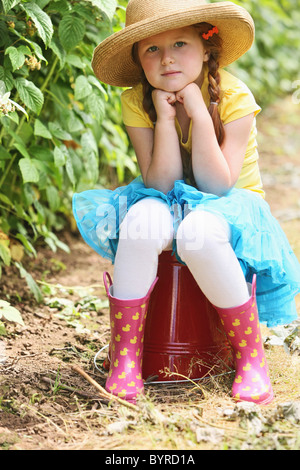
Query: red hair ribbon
(210,33)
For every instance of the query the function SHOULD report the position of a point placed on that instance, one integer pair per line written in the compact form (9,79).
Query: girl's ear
(206,56)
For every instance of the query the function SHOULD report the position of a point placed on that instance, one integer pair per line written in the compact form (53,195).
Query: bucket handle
(106,276)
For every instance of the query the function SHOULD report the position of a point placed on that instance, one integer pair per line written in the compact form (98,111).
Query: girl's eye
(152,49)
(179,44)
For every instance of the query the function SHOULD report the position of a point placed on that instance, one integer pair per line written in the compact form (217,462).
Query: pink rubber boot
(252,382)
(127,323)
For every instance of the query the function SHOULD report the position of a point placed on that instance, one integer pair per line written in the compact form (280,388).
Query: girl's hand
(192,99)
(164,102)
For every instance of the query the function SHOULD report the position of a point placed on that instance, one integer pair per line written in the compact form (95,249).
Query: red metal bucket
(183,335)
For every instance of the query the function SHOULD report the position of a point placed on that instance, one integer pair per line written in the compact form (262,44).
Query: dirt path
(44,404)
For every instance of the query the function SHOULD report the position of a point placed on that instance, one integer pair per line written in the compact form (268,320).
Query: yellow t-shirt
(236,101)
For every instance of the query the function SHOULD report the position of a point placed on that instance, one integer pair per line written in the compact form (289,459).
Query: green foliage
(271,66)
(10,313)
(60,129)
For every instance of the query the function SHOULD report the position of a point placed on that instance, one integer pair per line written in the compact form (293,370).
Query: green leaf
(4,34)
(3,331)
(7,78)
(58,132)
(71,31)
(73,122)
(76,61)
(53,198)
(37,50)
(26,243)
(42,3)
(41,20)
(10,313)
(31,283)
(62,245)
(96,107)
(28,170)
(70,170)
(6,200)
(58,50)
(5,254)
(41,130)
(82,87)
(30,94)
(88,143)
(9,4)
(2,88)
(94,81)
(16,56)
(106,6)
(4,154)
(22,149)
(59,157)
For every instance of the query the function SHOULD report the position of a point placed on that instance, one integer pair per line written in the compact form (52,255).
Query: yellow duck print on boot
(252,382)
(127,317)
(134,340)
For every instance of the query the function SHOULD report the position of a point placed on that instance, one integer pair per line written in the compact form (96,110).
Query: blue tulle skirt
(257,238)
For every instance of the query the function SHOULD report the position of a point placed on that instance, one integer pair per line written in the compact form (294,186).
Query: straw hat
(112,60)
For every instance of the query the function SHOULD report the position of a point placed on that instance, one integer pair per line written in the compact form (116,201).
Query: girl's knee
(148,223)
(201,232)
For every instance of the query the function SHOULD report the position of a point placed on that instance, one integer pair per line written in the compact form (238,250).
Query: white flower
(7,105)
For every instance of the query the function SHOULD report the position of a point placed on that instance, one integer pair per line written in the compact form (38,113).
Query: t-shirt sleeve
(132,109)
(237,102)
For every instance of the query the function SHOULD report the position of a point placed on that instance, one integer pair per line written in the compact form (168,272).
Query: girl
(192,125)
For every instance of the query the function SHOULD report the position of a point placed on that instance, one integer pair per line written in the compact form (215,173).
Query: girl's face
(173,59)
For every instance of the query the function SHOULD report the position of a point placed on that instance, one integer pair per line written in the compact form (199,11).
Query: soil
(47,405)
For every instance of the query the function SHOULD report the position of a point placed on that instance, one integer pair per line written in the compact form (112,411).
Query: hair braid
(147,100)
(214,93)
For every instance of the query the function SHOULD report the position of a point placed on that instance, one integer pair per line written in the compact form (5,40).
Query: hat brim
(112,60)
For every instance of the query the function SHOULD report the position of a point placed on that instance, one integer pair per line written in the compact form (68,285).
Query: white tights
(203,243)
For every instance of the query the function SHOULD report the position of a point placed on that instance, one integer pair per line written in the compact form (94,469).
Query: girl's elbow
(223,191)
(227,185)
(218,187)
(160,185)
(220,191)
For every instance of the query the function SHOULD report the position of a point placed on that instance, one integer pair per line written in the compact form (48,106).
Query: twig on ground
(102,391)
(69,389)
